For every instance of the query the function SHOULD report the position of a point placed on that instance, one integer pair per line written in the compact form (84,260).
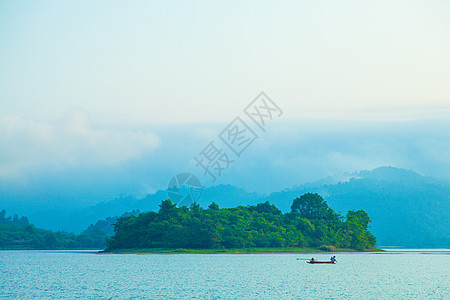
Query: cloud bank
(74,163)
(30,146)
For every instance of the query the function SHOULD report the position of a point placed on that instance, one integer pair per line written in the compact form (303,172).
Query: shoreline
(236,251)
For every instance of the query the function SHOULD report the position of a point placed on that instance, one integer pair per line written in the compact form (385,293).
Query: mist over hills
(407,209)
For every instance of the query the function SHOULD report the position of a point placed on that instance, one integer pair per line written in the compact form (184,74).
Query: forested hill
(311,223)
(407,209)
(18,234)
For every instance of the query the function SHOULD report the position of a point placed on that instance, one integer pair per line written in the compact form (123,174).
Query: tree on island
(311,223)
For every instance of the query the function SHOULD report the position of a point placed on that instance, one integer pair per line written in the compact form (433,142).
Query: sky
(104,98)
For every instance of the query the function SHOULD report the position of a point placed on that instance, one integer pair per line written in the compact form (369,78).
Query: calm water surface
(84,275)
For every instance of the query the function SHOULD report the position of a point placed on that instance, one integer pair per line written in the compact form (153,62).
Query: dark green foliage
(213,206)
(17,233)
(106,226)
(312,206)
(311,223)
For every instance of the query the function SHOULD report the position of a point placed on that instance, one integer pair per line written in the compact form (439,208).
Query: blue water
(84,275)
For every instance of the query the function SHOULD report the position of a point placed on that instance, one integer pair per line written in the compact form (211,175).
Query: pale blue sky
(151,61)
(108,86)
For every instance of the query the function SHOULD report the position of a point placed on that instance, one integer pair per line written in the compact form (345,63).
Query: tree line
(18,233)
(311,223)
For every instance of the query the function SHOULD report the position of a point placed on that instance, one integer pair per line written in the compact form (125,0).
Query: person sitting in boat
(312,259)
(333,259)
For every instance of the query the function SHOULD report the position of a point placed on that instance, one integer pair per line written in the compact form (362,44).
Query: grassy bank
(227,251)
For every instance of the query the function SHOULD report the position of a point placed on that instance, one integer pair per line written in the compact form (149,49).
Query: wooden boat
(320,262)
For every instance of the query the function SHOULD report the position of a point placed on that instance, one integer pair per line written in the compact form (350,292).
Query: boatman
(333,259)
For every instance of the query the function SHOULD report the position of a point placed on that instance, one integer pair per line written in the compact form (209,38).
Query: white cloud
(27,144)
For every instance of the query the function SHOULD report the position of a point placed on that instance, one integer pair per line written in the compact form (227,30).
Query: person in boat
(333,259)
(312,259)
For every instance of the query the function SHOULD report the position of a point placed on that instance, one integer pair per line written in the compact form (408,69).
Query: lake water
(84,275)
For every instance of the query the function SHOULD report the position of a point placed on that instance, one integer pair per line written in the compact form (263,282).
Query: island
(310,226)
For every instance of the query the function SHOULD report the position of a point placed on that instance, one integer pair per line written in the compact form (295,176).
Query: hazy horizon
(101,100)
(289,153)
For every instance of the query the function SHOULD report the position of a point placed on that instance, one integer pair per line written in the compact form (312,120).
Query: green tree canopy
(311,206)
(311,223)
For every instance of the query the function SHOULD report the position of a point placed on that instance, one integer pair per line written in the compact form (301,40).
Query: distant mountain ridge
(407,209)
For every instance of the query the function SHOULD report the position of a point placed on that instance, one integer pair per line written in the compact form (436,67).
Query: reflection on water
(81,274)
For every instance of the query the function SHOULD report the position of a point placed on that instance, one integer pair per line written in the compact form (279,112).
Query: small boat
(320,262)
